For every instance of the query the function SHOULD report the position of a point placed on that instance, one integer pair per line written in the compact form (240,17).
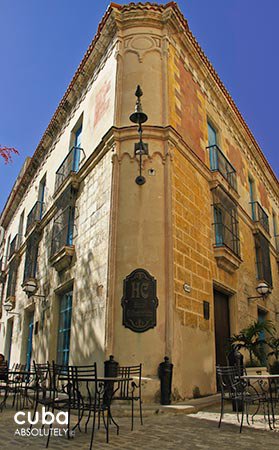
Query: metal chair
(76,388)
(130,390)
(239,392)
(4,386)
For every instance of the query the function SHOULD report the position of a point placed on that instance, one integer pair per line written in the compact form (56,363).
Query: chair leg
(69,423)
(141,419)
(48,436)
(34,414)
(222,412)
(93,430)
(87,421)
(107,426)
(242,417)
(132,427)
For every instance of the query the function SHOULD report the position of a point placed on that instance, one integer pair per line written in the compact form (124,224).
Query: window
(20,228)
(29,341)
(64,222)
(41,196)
(225,221)
(274,220)
(77,145)
(212,143)
(263,266)
(11,286)
(64,329)
(252,196)
(7,249)
(31,256)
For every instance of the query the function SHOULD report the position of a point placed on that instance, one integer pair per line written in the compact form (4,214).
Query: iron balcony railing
(35,215)
(63,230)
(225,236)
(15,244)
(69,165)
(219,162)
(259,215)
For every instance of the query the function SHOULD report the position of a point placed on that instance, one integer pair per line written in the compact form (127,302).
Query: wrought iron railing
(263,263)
(63,230)
(227,236)
(259,215)
(225,224)
(31,256)
(15,244)
(219,162)
(70,164)
(11,286)
(35,215)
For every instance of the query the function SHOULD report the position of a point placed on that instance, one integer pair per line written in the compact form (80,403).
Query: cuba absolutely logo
(47,418)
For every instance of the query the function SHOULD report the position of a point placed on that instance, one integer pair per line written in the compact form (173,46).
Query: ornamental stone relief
(142,44)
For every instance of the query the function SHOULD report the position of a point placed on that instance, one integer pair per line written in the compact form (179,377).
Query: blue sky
(42,43)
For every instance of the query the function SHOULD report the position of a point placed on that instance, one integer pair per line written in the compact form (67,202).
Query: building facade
(140,271)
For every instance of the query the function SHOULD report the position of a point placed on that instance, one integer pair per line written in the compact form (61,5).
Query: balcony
(219,163)
(62,248)
(15,244)
(259,215)
(35,215)
(68,169)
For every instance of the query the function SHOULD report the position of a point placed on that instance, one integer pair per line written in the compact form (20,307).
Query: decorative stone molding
(63,259)
(226,259)
(219,180)
(142,44)
(72,181)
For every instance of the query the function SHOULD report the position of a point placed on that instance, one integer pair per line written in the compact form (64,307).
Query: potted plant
(273,343)
(251,340)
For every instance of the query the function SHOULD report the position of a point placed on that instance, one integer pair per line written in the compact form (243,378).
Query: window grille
(225,223)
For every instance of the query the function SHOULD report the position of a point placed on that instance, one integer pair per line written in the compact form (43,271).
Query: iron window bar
(31,256)
(262,253)
(225,224)
(11,286)
(35,215)
(64,230)
(259,215)
(15,244)
(70,164)
(220,163)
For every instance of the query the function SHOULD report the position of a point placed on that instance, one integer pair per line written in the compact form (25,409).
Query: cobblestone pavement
(164,432)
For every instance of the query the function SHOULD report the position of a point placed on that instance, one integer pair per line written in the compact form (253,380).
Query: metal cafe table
(106,389)
(265,383)
(17,382)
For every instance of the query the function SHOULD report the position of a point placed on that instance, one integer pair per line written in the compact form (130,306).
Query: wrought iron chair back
(130,390)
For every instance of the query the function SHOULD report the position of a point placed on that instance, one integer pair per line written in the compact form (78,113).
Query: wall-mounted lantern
(8,307)
(30,288)
(263,291)
(141,149)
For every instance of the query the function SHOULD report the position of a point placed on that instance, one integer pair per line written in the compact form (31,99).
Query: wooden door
(222,326)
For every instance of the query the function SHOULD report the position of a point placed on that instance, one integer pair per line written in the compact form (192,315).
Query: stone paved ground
(164,432)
